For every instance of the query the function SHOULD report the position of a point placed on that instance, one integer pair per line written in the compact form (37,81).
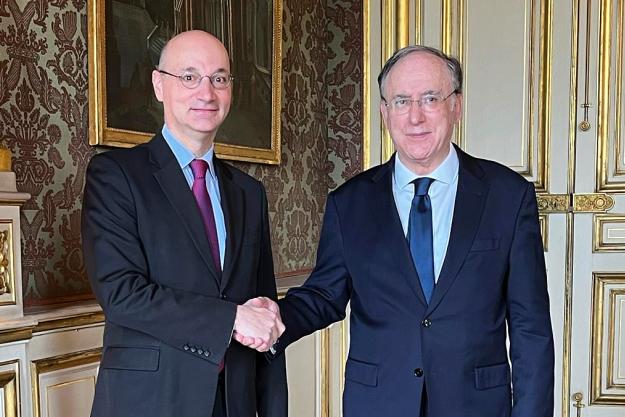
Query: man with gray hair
(441,257)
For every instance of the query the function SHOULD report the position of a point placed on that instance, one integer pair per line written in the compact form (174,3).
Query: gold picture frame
(252,130)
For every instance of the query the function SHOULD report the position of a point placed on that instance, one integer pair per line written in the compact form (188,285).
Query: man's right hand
(257,324)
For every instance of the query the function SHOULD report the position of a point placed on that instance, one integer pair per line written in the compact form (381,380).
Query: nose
(205,90)
(415,113)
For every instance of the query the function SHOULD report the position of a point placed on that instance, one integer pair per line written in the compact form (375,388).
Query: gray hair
(453,65)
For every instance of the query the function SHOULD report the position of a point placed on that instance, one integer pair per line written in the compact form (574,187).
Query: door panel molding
(607,376)
(608,233)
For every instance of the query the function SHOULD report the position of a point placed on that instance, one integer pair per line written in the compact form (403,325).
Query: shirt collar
(183,155)
(446,172)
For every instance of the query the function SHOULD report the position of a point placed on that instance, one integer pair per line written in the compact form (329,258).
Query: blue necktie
(420,235)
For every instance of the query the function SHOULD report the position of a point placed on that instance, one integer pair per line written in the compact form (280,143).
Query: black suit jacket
(169,313)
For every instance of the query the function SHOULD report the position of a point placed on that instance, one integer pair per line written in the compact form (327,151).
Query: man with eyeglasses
(175,241)
(441,257)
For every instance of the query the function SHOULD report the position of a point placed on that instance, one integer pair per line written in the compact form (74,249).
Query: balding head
(193,115)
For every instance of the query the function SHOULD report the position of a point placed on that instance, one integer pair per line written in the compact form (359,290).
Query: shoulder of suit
(494,172)
(237,175)
(363,179)
(125,155)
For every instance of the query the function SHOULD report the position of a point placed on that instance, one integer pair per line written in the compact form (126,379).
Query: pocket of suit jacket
(361,372)
(131,358)
(492,376)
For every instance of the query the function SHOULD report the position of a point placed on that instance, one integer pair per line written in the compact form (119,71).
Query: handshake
(258,324)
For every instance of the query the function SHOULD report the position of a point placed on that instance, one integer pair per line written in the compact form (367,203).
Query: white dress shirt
(442,195)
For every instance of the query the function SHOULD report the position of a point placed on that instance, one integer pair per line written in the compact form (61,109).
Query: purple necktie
(199,167)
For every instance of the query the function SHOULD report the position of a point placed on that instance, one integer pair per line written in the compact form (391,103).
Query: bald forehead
(194,46)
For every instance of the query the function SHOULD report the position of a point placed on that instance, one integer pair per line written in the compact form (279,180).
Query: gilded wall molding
(553,203)
(366,82)
(9,384)
(7,265)
(592,202)
(543,221)
(601,242)
(67,361)
(613,346)
(609,176)
(606,286)
(78,320)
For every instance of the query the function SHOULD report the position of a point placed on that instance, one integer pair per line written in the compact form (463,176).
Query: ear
(458,105)
(157,84)
(384,112)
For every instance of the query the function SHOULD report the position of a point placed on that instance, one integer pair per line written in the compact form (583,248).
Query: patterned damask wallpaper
(44,122)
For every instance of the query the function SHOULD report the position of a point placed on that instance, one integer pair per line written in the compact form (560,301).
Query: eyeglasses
(427,102)
(190,79)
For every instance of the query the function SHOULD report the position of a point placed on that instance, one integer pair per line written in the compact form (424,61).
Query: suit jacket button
(418,372)
(426,323)
(186,347)
(193,349)
(207,353)
(200,351)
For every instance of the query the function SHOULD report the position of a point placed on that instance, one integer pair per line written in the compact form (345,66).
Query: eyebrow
(193,69)
(425,93)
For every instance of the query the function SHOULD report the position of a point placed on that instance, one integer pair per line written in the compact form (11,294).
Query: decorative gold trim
(599,243)
(461,17)
(325,372)
(600,280)
(55,363)
(543,220)
(366,82)
(578,397)
(544,96)
(68,322)
(16,334)
(603,107)
(388,47)
(344,349)
(612,339)
(618,132)
(447,26)
(578,203)
(592,203)
(101,134)
(402,25)
(418,19)
(9,383)
(7,264)
(585,125)
(568,314)
(530,106)
(553,203)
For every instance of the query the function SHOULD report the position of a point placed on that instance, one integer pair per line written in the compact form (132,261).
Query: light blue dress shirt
(184,157)
(442,195)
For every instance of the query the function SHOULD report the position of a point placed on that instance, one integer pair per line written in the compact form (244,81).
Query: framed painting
(125,39)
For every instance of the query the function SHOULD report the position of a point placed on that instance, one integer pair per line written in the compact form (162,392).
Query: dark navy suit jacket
(169,312)
(492,284)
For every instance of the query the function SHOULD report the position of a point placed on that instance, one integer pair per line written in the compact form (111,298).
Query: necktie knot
(422,185)
(199,167)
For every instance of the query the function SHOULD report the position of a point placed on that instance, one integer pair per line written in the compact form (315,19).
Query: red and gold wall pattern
(44,114)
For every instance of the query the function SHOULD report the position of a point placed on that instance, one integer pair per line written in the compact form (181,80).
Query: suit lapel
(391,233)
(233,205)
(176,189)
(469,205)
